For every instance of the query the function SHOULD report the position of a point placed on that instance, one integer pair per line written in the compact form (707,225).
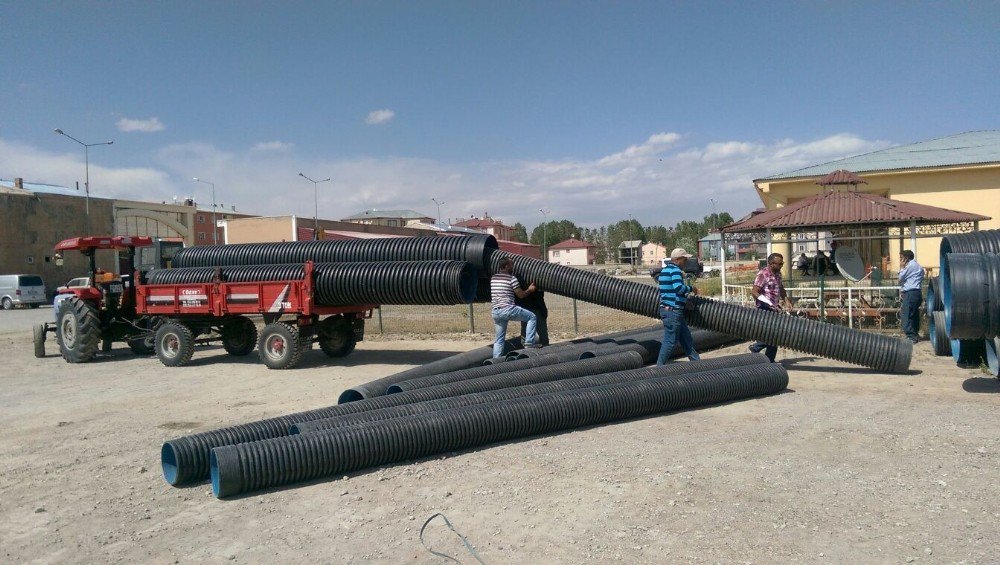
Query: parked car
(21,290)
(78,282)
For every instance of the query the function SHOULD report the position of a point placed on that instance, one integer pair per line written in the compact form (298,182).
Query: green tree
(554,232)
(520,233)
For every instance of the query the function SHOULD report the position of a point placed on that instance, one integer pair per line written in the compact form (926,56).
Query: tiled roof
(841,176)
(374,214)
(969,148)
(848,207)
(572,243)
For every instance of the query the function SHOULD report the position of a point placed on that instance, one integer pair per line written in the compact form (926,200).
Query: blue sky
(593,110)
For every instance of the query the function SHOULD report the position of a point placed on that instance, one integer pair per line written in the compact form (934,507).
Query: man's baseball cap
(679,252)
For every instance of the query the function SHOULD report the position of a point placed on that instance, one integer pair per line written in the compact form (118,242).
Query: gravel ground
(847,466)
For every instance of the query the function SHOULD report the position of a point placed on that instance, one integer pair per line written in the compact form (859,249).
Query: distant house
(653,254)
(630,252)
(489,225)
(390,218)
(572,252)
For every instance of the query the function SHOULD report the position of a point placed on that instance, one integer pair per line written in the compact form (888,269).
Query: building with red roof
(572,251)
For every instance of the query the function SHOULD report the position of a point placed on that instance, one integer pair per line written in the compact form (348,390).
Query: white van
(21,290)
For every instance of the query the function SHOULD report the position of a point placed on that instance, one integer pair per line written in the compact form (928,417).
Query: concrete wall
(973,189)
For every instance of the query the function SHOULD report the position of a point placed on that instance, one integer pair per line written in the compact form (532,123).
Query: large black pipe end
(468,283)
(168,462)
(394,389)
(225,471)
(993,356)
(351,395)
(904,353)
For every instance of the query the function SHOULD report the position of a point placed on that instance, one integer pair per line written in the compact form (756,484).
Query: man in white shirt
(504,286)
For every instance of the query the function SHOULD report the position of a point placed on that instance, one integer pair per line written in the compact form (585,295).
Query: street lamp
(715,219)
(631,249)
(215,229)
(86,158)
(315,201)
(439,204)
(545,220)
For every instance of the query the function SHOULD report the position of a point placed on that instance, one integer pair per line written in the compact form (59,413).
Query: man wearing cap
(769,294)
(673,295)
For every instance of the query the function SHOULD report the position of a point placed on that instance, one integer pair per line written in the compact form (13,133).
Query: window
(392,223)
(201,219)
(555,253)
(31,259)
(201,236)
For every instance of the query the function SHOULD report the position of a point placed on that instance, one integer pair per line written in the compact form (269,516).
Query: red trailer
(190,310)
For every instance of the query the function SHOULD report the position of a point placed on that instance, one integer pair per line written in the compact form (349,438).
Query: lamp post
(715,218)
(439,204)
(631,249)
(315,202)
(545,220)
(86,160)
(215,228)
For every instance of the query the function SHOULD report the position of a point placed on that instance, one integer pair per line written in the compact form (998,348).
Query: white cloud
(376,117)
(661,180)
(144,126)
(277,146)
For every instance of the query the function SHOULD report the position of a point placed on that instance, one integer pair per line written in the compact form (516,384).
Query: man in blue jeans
(673,295)
(911,275)
(504,287)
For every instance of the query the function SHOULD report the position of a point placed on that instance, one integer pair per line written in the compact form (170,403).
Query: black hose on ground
(971,295)
(872,350)
(717,364)
(185,459)
(342,284)
(254,466)
(469,248)
(937,334)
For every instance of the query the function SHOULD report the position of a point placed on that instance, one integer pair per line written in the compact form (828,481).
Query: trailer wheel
(38,338)
(174,344)
(336,336)
(280,345)
(78,330)
(239,336)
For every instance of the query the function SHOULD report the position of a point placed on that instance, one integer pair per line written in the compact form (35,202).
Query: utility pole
(86,160)
(315,202)
(545,220)
(439,204)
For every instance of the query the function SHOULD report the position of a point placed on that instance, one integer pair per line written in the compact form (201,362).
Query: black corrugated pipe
(185,459)
(471,248)
(254,466)
(676,369)
(872,350)
(968,352)
(992,347)
(457,362)
(341,284)
(937,334)
(933,302)
(582,344)
(985,241)
(704,340)
(971,295)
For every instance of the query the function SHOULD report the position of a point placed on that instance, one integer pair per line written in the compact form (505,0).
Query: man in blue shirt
(911,275)
(673,295)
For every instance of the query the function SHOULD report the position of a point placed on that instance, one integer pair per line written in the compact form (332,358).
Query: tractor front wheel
(78,331)
(239,336)
(38,339)
(174,344)
(280,345)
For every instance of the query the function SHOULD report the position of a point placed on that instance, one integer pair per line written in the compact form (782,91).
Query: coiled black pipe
(985,241)
(718,364)
(254,466)
(339,284)
(992,347)
(185,459)
(471,248)
(582,345)
(472,358)
(876,351)
(937,334)
(933,301)
(971,295)
(968,352)
(704,340)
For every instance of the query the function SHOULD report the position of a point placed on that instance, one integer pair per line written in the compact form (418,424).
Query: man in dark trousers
(535,303)
(769,294)
(911,276)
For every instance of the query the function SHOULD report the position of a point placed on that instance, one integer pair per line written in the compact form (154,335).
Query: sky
(590,111)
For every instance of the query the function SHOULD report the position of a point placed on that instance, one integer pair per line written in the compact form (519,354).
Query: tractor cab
(107,291)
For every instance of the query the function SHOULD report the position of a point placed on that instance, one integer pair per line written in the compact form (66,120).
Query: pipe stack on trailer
(970,298)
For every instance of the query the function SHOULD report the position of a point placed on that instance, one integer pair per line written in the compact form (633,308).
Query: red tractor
(105,311)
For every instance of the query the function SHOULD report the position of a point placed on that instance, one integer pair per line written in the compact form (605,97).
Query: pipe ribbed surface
(933,301)
(879,352)
(971,295)
(457,362)
(585,344)
(719,364)
(985,241)
(342,284)
(876,351)
(185,459)
(249,467)
(992,347)
(471,248)
(937,334)
(968,352)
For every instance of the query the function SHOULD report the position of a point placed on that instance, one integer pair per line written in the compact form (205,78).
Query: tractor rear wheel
(280,345)
(78,330)
(174,344)
(239,336)
(336,336)
(38,338)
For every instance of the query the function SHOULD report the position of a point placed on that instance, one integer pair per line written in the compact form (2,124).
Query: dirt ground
(848,466)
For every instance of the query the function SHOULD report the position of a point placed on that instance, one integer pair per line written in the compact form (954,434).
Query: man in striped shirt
(504,287)
(673,295)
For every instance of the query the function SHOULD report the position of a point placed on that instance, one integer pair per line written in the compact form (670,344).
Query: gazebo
(865,220)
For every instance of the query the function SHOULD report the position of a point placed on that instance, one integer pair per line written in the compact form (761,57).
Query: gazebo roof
(849,208)
(841,176)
